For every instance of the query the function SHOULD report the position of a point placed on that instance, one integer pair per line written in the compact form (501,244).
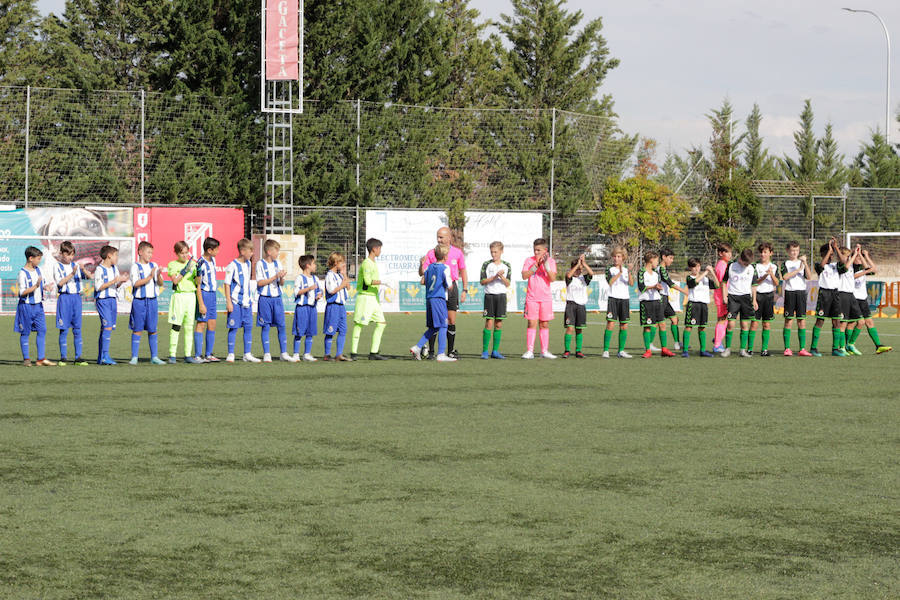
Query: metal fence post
(358,121)
(27,137)
(356,245)
(812,224)
(143,104)
(552,172)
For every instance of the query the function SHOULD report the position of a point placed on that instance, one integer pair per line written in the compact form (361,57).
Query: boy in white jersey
(270,311)
(107,280)
(863,266)
(70,278)
(578,277)
(206,301)
(766,282)
(794,273)
(618,309)
(849,305)
(238,301)
(495,274)
(306,292)
(30,309)
(740,299)
(666,258)
(337,292)
(828,305)
(652,313)
(146,281)
(697,312)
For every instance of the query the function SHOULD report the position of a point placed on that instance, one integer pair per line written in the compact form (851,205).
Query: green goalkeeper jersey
(368,272)
(187,283)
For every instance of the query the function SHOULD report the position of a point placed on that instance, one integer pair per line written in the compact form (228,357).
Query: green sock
(702,336)
(686,341)
(579,340)
(498,333)
(485,340)
(744,336)
(568,339)
(853,335)
(663,338)
(765,338)
(817,331)
(835,338)
(729,335)
(607,339)
(751,340)
(786,334)
(873,333)
(675,335)
(648,337)
(801,333)
(376,337)
(652,334)
(354,340)
(623,337)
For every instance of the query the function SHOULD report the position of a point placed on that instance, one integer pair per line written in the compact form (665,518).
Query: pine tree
(757,162)
(831,163)
(20,60)
(806,167)
(877,165)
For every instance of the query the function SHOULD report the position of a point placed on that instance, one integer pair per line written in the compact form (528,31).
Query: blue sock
(135,344)
(297,344)
(41,343)
(264,334)
(198,343)
(23,342)
(100,344)
(63,349)
(424,339)
(442,340)
(340,343)
(210,341)
(328,339)
(282,339)
(232,337)
(309,342)
(76,333)
(248,339)
(154,344)
(107,339)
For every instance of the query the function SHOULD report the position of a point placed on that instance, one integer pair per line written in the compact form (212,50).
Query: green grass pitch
(663,478)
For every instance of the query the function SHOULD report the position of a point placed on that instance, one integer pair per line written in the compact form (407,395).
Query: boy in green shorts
(368,307)
(183,304)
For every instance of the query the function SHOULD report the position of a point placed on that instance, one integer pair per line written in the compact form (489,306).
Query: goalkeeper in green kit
(368,307)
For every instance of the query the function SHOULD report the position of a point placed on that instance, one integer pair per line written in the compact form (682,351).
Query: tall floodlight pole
(887,100)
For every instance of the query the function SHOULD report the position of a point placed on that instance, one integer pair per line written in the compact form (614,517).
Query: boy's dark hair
(792,244)
(823,249)
(575,261)
(306,260)
(763,246)
(180,246)
(723,247)
(541,242)
(67,247)
(373,243)
(105,251)
(666,252)
(747,255)
(143,245)
(210,243)
(693,262)
(650,255)
(31,252)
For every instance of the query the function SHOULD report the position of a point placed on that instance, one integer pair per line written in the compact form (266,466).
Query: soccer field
(662,478)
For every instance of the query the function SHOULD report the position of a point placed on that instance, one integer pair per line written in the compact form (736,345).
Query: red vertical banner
(282,40)
(141,227)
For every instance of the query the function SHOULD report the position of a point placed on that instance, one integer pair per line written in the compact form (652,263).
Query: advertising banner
(282,40)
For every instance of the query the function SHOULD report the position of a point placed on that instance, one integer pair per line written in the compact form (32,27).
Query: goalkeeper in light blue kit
(438,281)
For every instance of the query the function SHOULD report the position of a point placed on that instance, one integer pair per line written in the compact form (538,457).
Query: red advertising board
(162,227)
(282,40)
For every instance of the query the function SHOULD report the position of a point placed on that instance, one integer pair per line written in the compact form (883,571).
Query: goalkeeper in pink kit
(724,251)
(539,270)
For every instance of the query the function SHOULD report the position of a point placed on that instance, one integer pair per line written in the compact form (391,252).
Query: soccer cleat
(193,360)
(666,352)
(445,358)
(685,354)
(343,358)
(485,355)
(417,352)
(229,358)
(788,352)
(425,353)
(605,354)
(172,360)
(839,352)
(497,355)
(297,356)
(719,349)
(528,355)
(647,354)
(267,358)
(376,356)
(726,352)
(133,361)
(27,362)
(579,354)
(749,352)
(653,348)
(355,356)
(45,363)
(248,357)
(309,358)
(763,353)
(106,361)
(288,358)
(548,355)
(200,360)
(454,354)
(566,354)
(803,353)
(851,349)
(211,358)
(61,363)
(623,354)
(883,349)
(326,358)
(815,352)
(157,361)
(745,354)
(80,362)
(706,354)
(677,346)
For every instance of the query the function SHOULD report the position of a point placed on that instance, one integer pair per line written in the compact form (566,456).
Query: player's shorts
(576,315)
(766,306)
(618,309)
(305,321)
(651,312)
(270,311)
(494,306)
(849,307)
(741,307)
(144,315)
(209,301)
(30,317)
(539,310)
(865,311)
(335,319)
(68,311)
(696,314)
(436,313)
(795,304)
(368,309)
(241,316)
(828,304)
(668,311)
(453,297)
(107,310)
(182,308)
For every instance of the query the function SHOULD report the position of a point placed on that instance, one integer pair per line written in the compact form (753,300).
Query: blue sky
(680,59)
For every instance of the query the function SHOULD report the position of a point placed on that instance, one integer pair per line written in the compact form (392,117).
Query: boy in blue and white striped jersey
(206,301)
(337,292)
(69,283)
(306,292)
(107,280)
(270,276)
(146,281)
(30,310)
(237,300)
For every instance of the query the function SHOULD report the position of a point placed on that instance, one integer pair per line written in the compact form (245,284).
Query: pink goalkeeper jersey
(456,260)
(539,283)
(721,267)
